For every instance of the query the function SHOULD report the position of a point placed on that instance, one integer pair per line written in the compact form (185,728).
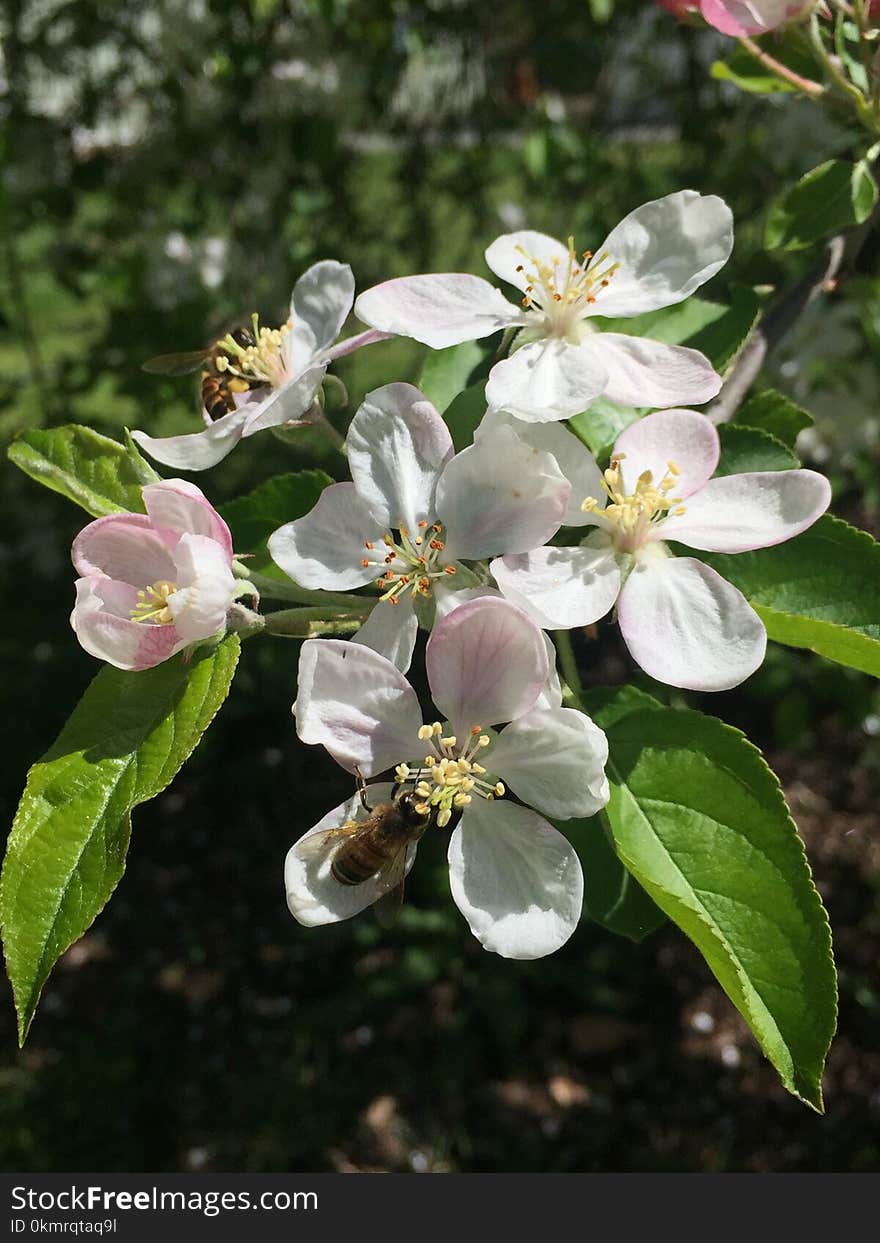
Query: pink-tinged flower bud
(152,584)
(752,17)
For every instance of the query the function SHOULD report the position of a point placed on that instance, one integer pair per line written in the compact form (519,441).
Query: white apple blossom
(559,361)
(516,879)
(284,367)
(415,511)
(682,622)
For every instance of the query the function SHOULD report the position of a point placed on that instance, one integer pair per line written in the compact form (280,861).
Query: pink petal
(182,507)
(486,663)
(357,705)
(681,436)
(124,546)
(687,626)
(439,310)
(104,631)
(738,513)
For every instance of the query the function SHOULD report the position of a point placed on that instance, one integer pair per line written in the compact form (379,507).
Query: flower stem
(309,623)
(284,589)
(806,85)
(568,665)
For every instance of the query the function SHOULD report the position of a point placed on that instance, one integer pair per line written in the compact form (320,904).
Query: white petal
(124,547)
(206,587)
(198,450)
(500,495)
(666,249)
(321,300)
(546,381)
(642,372)
(446,600)
(757,510)
(101,624)
(287,404)
(554,760)
(324,549)
(517,880)
(181,506)
(313,895)
(514,250)
(357,704)
(439,310)
(560,587)
(681,436)
(397,446)
(391,631)
(572,457)
(551,695)
(687,626)
(486,663)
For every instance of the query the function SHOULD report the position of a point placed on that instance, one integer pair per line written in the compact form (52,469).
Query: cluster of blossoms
(459,545)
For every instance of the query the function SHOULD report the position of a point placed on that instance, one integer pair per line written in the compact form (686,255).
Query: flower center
(409,563)
(449,775)
(152,604)
(561,291)
(631,516)
(262,362)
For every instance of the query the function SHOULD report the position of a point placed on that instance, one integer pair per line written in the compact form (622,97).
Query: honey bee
(375,847)
(218,388)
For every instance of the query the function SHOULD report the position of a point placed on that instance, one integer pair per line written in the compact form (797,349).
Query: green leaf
(101,475)
(699,820)
(612,896)
(834,196)
(746,449)
(820,591)
(253,517)
(447,373)
(772,412)
(464,415)
(746,73)
(600,426)
(126,739)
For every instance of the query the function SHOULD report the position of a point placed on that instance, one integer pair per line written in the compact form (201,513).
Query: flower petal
(572,457)
(551,695)
(287,404)
(198,450)
(125,547)
(356,704)
(313,895)
(681,436)
(642,372)
(325,549)
(321,301)
(509,256)
(560,587)
(750,17)
(206,587)
(104,629)
(687,626)
(486,663)
(439,310)
(666,249)
(500,495)
(391,631)
(756,510)
(397,446)
(517,880)
(554,760)
(181,506)
(546,381)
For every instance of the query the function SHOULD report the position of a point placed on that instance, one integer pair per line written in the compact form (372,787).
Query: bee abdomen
(216,399)
(357,864)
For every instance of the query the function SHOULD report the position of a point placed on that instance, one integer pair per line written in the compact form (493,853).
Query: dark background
(167,166)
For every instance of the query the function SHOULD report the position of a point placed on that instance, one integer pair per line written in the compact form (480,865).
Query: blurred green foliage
(169,165)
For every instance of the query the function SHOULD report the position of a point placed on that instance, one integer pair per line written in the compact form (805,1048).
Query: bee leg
(362,789)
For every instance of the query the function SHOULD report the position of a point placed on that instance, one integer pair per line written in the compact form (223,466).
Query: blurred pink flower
(151,584)
(742,17)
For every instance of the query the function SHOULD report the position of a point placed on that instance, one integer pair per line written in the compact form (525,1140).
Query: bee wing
(176,364)
(387,907)
(319,844)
